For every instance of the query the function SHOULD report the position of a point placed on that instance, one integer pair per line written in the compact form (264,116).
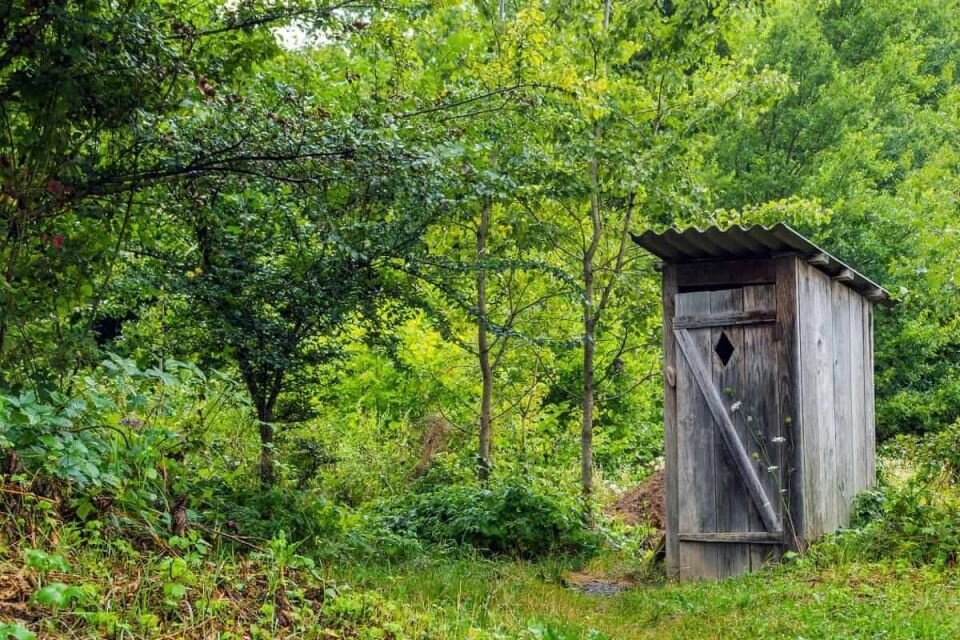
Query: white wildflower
(735,406)
(778,440)
(772,468)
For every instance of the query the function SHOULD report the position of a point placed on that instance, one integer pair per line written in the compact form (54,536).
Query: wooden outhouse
(768,377)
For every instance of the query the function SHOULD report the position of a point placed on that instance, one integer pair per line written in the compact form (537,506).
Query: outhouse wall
(836,437)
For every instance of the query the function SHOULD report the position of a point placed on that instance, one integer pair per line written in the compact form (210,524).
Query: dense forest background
(359,276)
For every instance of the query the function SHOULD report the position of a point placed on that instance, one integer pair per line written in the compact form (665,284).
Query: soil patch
(645,504)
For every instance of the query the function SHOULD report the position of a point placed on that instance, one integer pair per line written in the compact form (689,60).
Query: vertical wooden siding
(762,423)
(670,419)
(697,440)
(733,502)
(789,396)
(712,496)
(836,388)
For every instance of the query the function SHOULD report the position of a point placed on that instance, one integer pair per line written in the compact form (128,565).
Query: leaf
(16,631)
(51,595)
(84,509)
(42,561)
(174,590)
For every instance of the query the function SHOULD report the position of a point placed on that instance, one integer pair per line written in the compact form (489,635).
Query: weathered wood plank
(819,260)
(843,488)
(845,275)
(858,414)
(669,292)
(810,416)
(789,399)
(759,414)
(727,319)
(829,460)
(816,371)
(696,439)
(733,502)
(876,295)
(726,428)
(745,537)
(724,274)
(871,438)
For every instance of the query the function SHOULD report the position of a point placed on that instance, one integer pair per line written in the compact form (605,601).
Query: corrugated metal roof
(755,242)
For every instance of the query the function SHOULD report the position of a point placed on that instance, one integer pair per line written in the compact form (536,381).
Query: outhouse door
(731,440)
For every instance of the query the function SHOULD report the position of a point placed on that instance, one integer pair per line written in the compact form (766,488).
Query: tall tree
(634,108)
(288,252)
(94,98)
(473,274)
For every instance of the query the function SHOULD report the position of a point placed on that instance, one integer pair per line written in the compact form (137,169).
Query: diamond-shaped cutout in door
(724,349)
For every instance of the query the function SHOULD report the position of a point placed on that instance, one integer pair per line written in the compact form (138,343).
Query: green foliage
(916,524)
(305,517)
(551,632)
(58,595)
(868,507)
(311,200)
(124,446)
(93,98)
(43,562)
(938,455)
(268,593)
(15,631)
(914,521)
(470,598)
(507,518)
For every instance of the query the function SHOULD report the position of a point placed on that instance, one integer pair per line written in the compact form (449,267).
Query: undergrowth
(507,517)
(127,512)
(913,517)
(68,579)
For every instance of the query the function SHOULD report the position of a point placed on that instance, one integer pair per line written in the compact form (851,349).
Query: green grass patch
(470,598)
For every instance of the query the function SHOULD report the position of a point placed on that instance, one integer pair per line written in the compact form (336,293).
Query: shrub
(120,438)
(508,518)
(302,516)
(916,523)
(129,443)
(868,507)
(938,454)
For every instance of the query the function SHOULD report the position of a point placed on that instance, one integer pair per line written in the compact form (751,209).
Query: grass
(132,595)
(81,584)
(478,599)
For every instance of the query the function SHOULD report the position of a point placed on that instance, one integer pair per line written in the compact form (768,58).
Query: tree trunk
(264,388)
(178,517)
(589,344)
(586,432)
(590,314)
(265,418)
(484,459)
(14,237)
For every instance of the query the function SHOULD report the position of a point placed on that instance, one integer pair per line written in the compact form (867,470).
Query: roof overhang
(738,242)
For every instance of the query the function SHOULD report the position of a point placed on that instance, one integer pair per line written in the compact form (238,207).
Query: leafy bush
(918,523)
(302,516)
(507,518)
(125,444)
(938,454)
(868,507)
